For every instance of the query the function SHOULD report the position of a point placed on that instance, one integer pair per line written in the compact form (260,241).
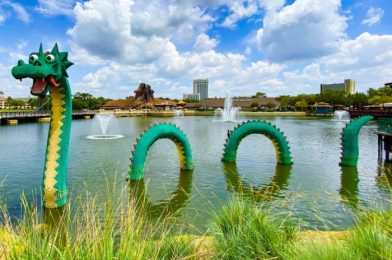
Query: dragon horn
(40,49)
(55,49)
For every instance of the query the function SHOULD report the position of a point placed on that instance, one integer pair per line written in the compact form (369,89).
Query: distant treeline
(335,97)
(80,101)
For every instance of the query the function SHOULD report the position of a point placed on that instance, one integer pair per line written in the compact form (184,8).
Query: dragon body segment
(48,71)
(350,150)
(282,148)
(148,138)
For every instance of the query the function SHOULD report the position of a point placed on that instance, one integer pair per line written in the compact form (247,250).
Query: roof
(119,103)
(164,102)
(322,104)
(128,103)
(238,102)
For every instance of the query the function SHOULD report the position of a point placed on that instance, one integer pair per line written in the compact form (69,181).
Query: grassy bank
(239,230)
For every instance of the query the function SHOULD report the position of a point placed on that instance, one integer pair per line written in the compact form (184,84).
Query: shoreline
(133,113)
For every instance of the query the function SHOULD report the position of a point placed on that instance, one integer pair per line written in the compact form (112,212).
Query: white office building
(200,86)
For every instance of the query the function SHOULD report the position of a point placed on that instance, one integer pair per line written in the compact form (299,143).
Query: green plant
(242,230)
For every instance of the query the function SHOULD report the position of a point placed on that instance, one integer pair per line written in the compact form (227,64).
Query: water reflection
(178,199)
(258,193)
(349,186)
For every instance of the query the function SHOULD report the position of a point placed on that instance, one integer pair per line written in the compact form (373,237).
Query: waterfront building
(244,103)
(348,87)
(3,100)
(200,86)
(192,96)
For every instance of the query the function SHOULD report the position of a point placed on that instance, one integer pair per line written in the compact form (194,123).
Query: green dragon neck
(55,171)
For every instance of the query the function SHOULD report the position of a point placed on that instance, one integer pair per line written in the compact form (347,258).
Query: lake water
(315,189)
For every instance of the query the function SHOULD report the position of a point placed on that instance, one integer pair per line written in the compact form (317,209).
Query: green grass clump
(93,232)
(370,238)
(241,230)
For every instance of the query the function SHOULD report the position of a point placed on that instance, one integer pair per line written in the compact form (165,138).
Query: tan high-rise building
(348,87)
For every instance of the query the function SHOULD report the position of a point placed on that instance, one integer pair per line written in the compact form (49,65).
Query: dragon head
(45,68)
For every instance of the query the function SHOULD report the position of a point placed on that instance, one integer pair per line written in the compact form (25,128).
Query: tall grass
(239,230)
(242,230)
(119,233)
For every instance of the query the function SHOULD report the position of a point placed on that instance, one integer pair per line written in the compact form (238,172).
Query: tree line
(80,101)
(338,98)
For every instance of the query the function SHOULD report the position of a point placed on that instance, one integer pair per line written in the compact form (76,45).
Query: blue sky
(278,47)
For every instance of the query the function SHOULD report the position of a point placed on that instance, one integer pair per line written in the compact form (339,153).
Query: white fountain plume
(341,115)
(179,113)
(228,113)
(104,121)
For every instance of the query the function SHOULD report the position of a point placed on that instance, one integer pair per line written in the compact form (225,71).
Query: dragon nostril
(37,63)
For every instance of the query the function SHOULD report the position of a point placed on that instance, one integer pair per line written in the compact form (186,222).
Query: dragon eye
(50,58)
(33,57)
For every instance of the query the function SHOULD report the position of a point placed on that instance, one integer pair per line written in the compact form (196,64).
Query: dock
(384,143)
(385,112)
(14,117)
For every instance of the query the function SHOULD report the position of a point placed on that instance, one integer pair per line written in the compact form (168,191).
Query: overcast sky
(273,46)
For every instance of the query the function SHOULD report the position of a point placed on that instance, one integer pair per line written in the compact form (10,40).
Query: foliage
(334,97)
(244,231)
(240,230)
(87,101)
(15,102)
(40,103)
(254,104)
(270,105)
(187,100)
(260,95)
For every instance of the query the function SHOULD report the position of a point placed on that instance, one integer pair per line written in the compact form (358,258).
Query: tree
(334,97)
(40,103)
(260,94)
(302,104)
(270,105)
(187,100)
(254,104)
(15,103)
(359,100)
(87,101)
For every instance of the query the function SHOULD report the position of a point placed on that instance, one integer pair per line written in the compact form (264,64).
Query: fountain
(179,113)
(228,113)
(341,115)
(104,121)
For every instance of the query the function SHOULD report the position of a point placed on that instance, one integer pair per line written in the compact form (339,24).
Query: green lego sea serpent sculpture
(149,137)
(48,71)
(350,150)
(282,148)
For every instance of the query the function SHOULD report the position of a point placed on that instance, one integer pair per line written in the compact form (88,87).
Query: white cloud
(303,30)
(272,5)
(204,43)
(365,51)
(16,8)
(55,7)
(367,59)
(178,20)
(373,16)
(238,11)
